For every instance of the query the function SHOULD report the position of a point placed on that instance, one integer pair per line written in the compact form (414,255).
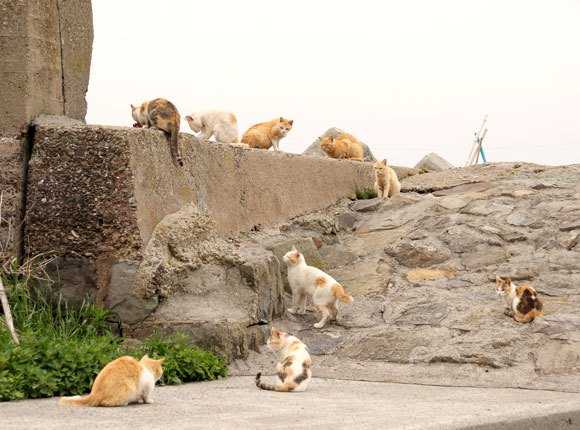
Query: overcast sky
(406,77)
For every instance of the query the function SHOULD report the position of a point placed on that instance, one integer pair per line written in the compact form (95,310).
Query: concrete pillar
(45,57)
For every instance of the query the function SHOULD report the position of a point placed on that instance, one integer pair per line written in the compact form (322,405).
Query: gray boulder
(433,163)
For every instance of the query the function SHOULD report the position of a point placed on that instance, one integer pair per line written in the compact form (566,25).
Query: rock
(314,148)
(571,225)
(347,220)
(56,120)
(523,218)
(427,274)
(558,358)
(564,327)
(74,278)
(483,257)
(433,163)
(125,306)
(367,205)
(418,254)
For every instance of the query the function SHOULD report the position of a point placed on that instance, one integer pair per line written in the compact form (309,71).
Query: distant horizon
(406,78)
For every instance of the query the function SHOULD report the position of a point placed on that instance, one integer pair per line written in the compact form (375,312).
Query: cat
(386,183)
(293,371)
(267,134)
(221,124)
(345,146)
(307,280)
(522,303)
(163,115)
(122,381)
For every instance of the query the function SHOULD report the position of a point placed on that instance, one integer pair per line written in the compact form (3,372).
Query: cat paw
(290,311)
(148,401)
(302,312)
(318,325)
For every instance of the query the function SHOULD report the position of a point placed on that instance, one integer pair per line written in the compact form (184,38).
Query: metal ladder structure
(477,146)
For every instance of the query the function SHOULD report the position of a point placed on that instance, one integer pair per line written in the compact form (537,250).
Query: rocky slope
(421,267)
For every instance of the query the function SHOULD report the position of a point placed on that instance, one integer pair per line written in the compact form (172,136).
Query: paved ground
(236,403)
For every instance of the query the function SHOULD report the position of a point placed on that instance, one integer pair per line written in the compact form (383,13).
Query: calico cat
(307,280)
(293,371)
(386,183)
(345,146)
(163,115)
(267,134)
(122,381)
(221,124)
(522,303)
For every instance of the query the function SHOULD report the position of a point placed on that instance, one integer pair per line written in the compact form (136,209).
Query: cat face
(292,257)
(380,166)
(284,126)
(327,144)
(194,122)
(277,339)
(503,286)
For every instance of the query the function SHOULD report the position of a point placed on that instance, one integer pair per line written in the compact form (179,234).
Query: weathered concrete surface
(46,49)
(422,269)
(11,184)
(120,183)
(236,403)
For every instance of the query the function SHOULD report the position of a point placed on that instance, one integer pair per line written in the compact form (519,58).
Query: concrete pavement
(236,403)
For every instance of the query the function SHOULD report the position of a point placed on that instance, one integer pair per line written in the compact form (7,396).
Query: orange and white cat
(222,125)
(307,280)
(122,381)
(345,146)
(522,303)
(386,181)
(267,134)
(163,115)
(293,371)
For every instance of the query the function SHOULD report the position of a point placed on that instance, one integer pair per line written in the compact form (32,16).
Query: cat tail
(287,386)
(77,401)
(340,294)
(174,136)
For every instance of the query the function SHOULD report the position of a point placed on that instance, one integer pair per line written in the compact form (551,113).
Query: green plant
(184,362)
(367,193)
(63,348)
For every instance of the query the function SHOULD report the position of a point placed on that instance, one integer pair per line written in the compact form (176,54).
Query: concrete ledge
(96,191)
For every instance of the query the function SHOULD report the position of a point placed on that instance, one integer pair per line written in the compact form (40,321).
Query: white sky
(407,77)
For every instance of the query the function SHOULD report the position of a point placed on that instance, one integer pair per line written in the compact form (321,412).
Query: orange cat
(122,381)
(345,146)
(163,115)
(267,134)
(386,182)
(522,303)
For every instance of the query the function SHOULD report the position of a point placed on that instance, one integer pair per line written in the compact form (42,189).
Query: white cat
(307,280)
(223,125)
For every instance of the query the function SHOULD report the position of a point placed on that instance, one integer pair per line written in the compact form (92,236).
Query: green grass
(367,193)
(63,348)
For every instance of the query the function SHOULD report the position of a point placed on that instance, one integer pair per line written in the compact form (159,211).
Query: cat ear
(281,119)
(384,161)
(508,280)
(291,122)
(133,107)
(276,332)
(145,356)
(294,248)
(188,118)
(498,280)
(161,360)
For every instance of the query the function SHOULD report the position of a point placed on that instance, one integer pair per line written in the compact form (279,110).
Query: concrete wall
(96,191)
(45,52)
